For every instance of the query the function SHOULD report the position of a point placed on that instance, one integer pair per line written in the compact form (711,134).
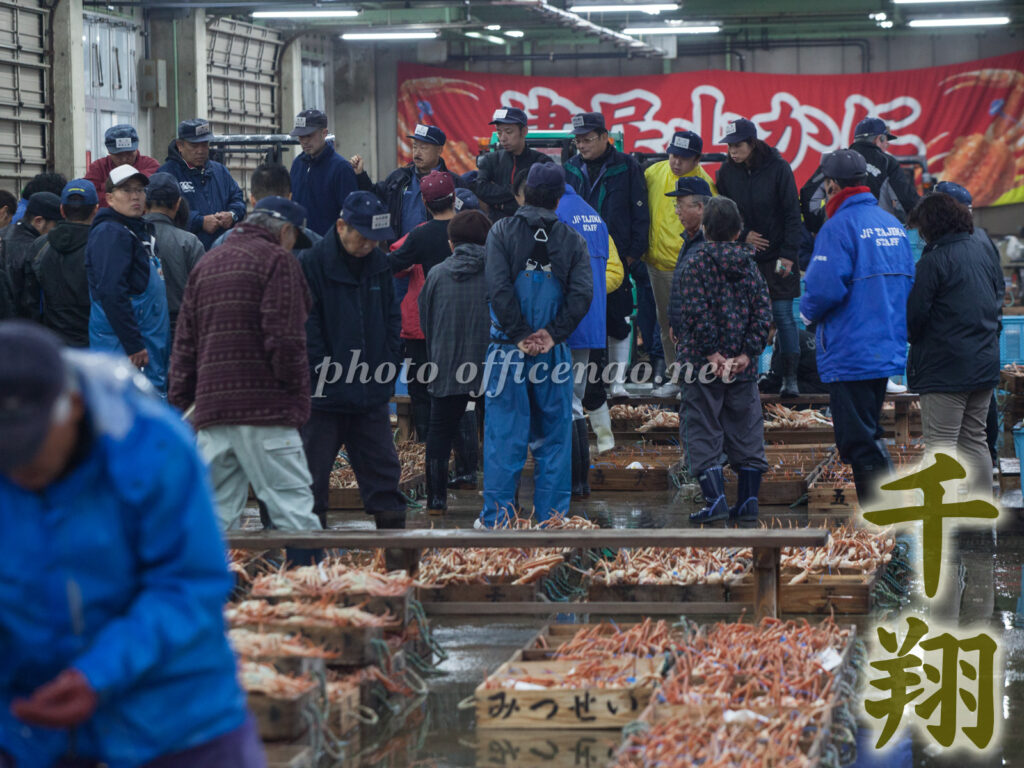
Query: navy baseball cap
(162,188)
(195,131)
(428,133)
(954,190)
(45,204)
(872,126)
(368,215)
(82,188)
(32,380)
(739,130)
(465,200)
(690,185)
(843,164)
(309,121)
(292,212)
(508,116)
(121,138)
(546,176)
(586,122)
(685,144)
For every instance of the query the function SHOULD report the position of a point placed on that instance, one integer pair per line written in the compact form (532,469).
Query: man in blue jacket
(354,356)
(214,199)
(856,291)
(111,594)
(321,178)
(539,288)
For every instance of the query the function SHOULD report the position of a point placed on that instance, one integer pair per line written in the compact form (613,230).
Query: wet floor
(437,731)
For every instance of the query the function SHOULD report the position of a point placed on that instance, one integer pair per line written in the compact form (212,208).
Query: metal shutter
(25,96)
(242,79)
(111,93)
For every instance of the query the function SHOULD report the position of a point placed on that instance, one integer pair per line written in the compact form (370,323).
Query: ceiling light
(885,24)
(652,8)
(489,38)
(878,16)
(936,2)
(493,27)
(356,36)
(338,14)
(515,33)
(962,21)
(691,30)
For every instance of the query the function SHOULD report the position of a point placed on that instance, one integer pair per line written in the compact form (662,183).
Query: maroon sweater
(240,343)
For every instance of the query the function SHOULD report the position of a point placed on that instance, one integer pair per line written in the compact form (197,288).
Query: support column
(68,90)
(291,93)
(180,40)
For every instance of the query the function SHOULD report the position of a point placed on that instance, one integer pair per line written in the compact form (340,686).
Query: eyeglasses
(132,191)
(584,140)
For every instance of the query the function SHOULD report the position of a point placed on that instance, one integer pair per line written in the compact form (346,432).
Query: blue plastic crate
(1011,342)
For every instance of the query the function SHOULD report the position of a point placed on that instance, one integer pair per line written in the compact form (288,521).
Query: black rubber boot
(748,486)
(790,365)
(712,485)
(867,480)
(467,453)
(298,557)
(437,486)
(880,442)
(658,374)
(268,524)
(397,559)
(580,459)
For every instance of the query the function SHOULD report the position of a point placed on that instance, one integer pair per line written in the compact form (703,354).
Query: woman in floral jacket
(721,333)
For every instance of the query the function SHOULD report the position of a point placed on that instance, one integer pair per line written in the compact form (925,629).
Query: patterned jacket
(725,306)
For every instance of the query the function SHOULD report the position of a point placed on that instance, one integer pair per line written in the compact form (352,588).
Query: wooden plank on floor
(603,608)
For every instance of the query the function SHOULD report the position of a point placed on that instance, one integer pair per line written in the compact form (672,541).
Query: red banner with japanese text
(966,119)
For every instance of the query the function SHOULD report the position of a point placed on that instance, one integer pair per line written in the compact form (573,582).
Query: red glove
(65,701)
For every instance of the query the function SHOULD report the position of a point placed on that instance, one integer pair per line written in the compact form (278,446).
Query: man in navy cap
(122,143)
(690,195)
(114,582)
(214,199)
(355,352)
(857,286)
(684,153)
(321,178)
(539,285)
(55,281)
(41,215)
(613,184)
(498,169)
(400,191)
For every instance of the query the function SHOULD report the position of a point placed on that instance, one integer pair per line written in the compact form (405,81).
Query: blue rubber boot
(712,485)
(749,484)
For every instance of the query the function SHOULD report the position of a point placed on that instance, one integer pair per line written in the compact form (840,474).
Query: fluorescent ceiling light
(489,38)
(936,2)
(338,14)
(652,8)
(681,30)
(963,21)
(389,36)
(515,33)
(493,27)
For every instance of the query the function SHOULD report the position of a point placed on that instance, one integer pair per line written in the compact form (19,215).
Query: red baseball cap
(437,185)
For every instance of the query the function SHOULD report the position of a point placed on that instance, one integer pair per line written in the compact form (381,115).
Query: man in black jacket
(41,215)
(499,168)
(354,357)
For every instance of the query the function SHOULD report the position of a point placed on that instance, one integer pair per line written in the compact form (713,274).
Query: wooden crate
(495,592)
(353,644)
(826,594)
(1009,475)
(783,491)
(379,605)
(344,712)
(810,436)
(1012,384)
(546,749)
(282,719)
(349,498)
(551,636)
(561,708)
(658,593)
(829,497)
(608,471)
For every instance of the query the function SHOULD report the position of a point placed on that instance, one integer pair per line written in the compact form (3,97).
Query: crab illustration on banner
(964,121)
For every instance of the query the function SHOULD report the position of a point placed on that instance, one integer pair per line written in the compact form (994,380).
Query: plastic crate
(1011,342)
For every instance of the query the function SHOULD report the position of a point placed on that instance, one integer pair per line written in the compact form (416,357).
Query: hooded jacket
(209,189)
(675,302)
(665,240)
(725,306)
(619,194)
(58,271)
(321,184)
(17,253)
(856,290)
(769,204)
(392,190)
(119,572)
(886,178)
(99,171)
(354,322)
(510,244)
(455,320)
(954,317)
(497,171)
(179,252)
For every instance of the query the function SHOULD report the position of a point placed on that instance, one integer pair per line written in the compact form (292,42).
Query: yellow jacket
(613,271)
(666,232)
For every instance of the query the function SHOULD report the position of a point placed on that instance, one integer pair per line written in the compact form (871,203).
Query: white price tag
(577,121)
(300,122)
(381,221)
(681,141)
(421,130)
(202,130)
(730,128)
(829,659)
(500,114)
(123,143)
(458,204)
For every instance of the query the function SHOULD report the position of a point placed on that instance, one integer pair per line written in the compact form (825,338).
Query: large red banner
(966,119)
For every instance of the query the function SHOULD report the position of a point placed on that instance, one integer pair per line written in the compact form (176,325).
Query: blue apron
(150,310)
(527,409)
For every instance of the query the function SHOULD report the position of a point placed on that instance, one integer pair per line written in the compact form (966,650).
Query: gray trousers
(719,418)
(661,286)
(954,423)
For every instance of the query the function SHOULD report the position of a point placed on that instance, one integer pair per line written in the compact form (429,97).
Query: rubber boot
(576,462)
(396,559)
(658,373)
(712,485)
(268,524)
(437,486)
(867,479)
(618,355)
(748,486)
(884,449)
(297,556)
(467,453)
(790,364)
(601,422)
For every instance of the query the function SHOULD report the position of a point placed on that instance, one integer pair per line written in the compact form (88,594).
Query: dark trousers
(992,429)
(595,394)
(720,417)
(416,351)
(856,415)
(367,440)
(445,415)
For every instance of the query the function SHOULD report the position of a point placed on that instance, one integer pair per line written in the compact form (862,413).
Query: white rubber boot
(601,421)
(618,356)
